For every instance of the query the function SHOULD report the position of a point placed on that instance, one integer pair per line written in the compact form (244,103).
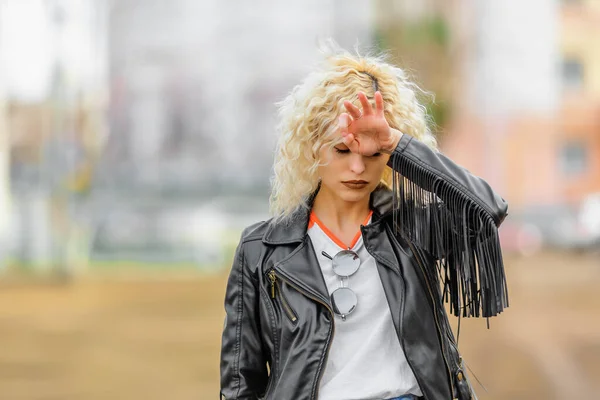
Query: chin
(352,195)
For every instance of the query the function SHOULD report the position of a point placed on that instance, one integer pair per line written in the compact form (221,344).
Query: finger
(352,110)
(344,122)
(351,143)
(367,110)
(379,102)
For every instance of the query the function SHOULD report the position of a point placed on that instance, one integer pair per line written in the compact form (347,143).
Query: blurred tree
(418,39)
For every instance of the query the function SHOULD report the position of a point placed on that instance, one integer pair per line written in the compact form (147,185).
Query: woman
(339,295)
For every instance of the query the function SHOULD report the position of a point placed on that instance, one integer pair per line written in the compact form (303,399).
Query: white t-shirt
(366,361)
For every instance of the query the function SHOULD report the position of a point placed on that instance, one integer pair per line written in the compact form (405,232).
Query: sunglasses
(344,300)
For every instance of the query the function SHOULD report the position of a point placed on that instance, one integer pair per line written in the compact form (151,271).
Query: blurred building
(192,117)
(122,122)
(194,85)
(579,149)
(507,97)
(520,84)
(529,113)
(53,90)
(496,70)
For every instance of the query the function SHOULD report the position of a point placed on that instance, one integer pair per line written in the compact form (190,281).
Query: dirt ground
(158,338)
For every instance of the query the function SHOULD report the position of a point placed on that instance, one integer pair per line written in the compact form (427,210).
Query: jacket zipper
(276,289)
(433,302)
(273,356)
(273,278)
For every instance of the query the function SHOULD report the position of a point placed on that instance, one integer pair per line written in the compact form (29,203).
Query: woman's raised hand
(367,132)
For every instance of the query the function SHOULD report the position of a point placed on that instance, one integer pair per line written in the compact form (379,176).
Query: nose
(357,164)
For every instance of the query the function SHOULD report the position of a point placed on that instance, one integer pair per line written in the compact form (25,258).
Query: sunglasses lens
(344,301)
(345,263)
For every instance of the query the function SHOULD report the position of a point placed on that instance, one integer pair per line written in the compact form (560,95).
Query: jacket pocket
(277,293)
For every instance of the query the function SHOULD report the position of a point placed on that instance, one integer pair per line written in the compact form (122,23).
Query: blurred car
(579,230)
(198,231)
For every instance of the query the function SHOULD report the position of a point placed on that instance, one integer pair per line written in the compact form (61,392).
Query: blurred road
(158,338)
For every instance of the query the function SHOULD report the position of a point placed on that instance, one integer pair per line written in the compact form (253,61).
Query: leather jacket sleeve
(442,168)
(243,365)
(454,216)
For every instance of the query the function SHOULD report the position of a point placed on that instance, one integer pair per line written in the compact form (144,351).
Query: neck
(337,213)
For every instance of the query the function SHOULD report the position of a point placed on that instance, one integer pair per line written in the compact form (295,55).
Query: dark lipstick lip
(356,182)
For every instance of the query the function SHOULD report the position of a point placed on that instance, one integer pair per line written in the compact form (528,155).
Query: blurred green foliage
(422,48)
(433,30)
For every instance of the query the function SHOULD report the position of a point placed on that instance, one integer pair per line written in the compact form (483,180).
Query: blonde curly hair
(308,119)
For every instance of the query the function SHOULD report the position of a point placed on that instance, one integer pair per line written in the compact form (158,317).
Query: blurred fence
(74,234)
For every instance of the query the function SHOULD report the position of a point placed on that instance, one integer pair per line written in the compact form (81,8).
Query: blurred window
(572,73)
(573,158)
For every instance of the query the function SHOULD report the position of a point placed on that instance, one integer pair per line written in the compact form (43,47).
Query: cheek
(330,171)
(378,166)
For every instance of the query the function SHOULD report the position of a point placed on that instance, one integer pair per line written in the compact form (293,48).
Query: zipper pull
(272,278)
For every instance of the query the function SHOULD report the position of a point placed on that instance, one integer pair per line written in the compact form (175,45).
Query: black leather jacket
(279,319)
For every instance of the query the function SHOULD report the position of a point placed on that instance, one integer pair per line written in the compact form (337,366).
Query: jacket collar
(293,229)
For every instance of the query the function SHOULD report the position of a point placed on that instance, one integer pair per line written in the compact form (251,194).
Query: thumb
(343,123)
(343,120)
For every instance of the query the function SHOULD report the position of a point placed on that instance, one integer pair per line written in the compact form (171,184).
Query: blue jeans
(406,397)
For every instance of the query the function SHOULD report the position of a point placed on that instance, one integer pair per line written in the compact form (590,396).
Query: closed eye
(346,151)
